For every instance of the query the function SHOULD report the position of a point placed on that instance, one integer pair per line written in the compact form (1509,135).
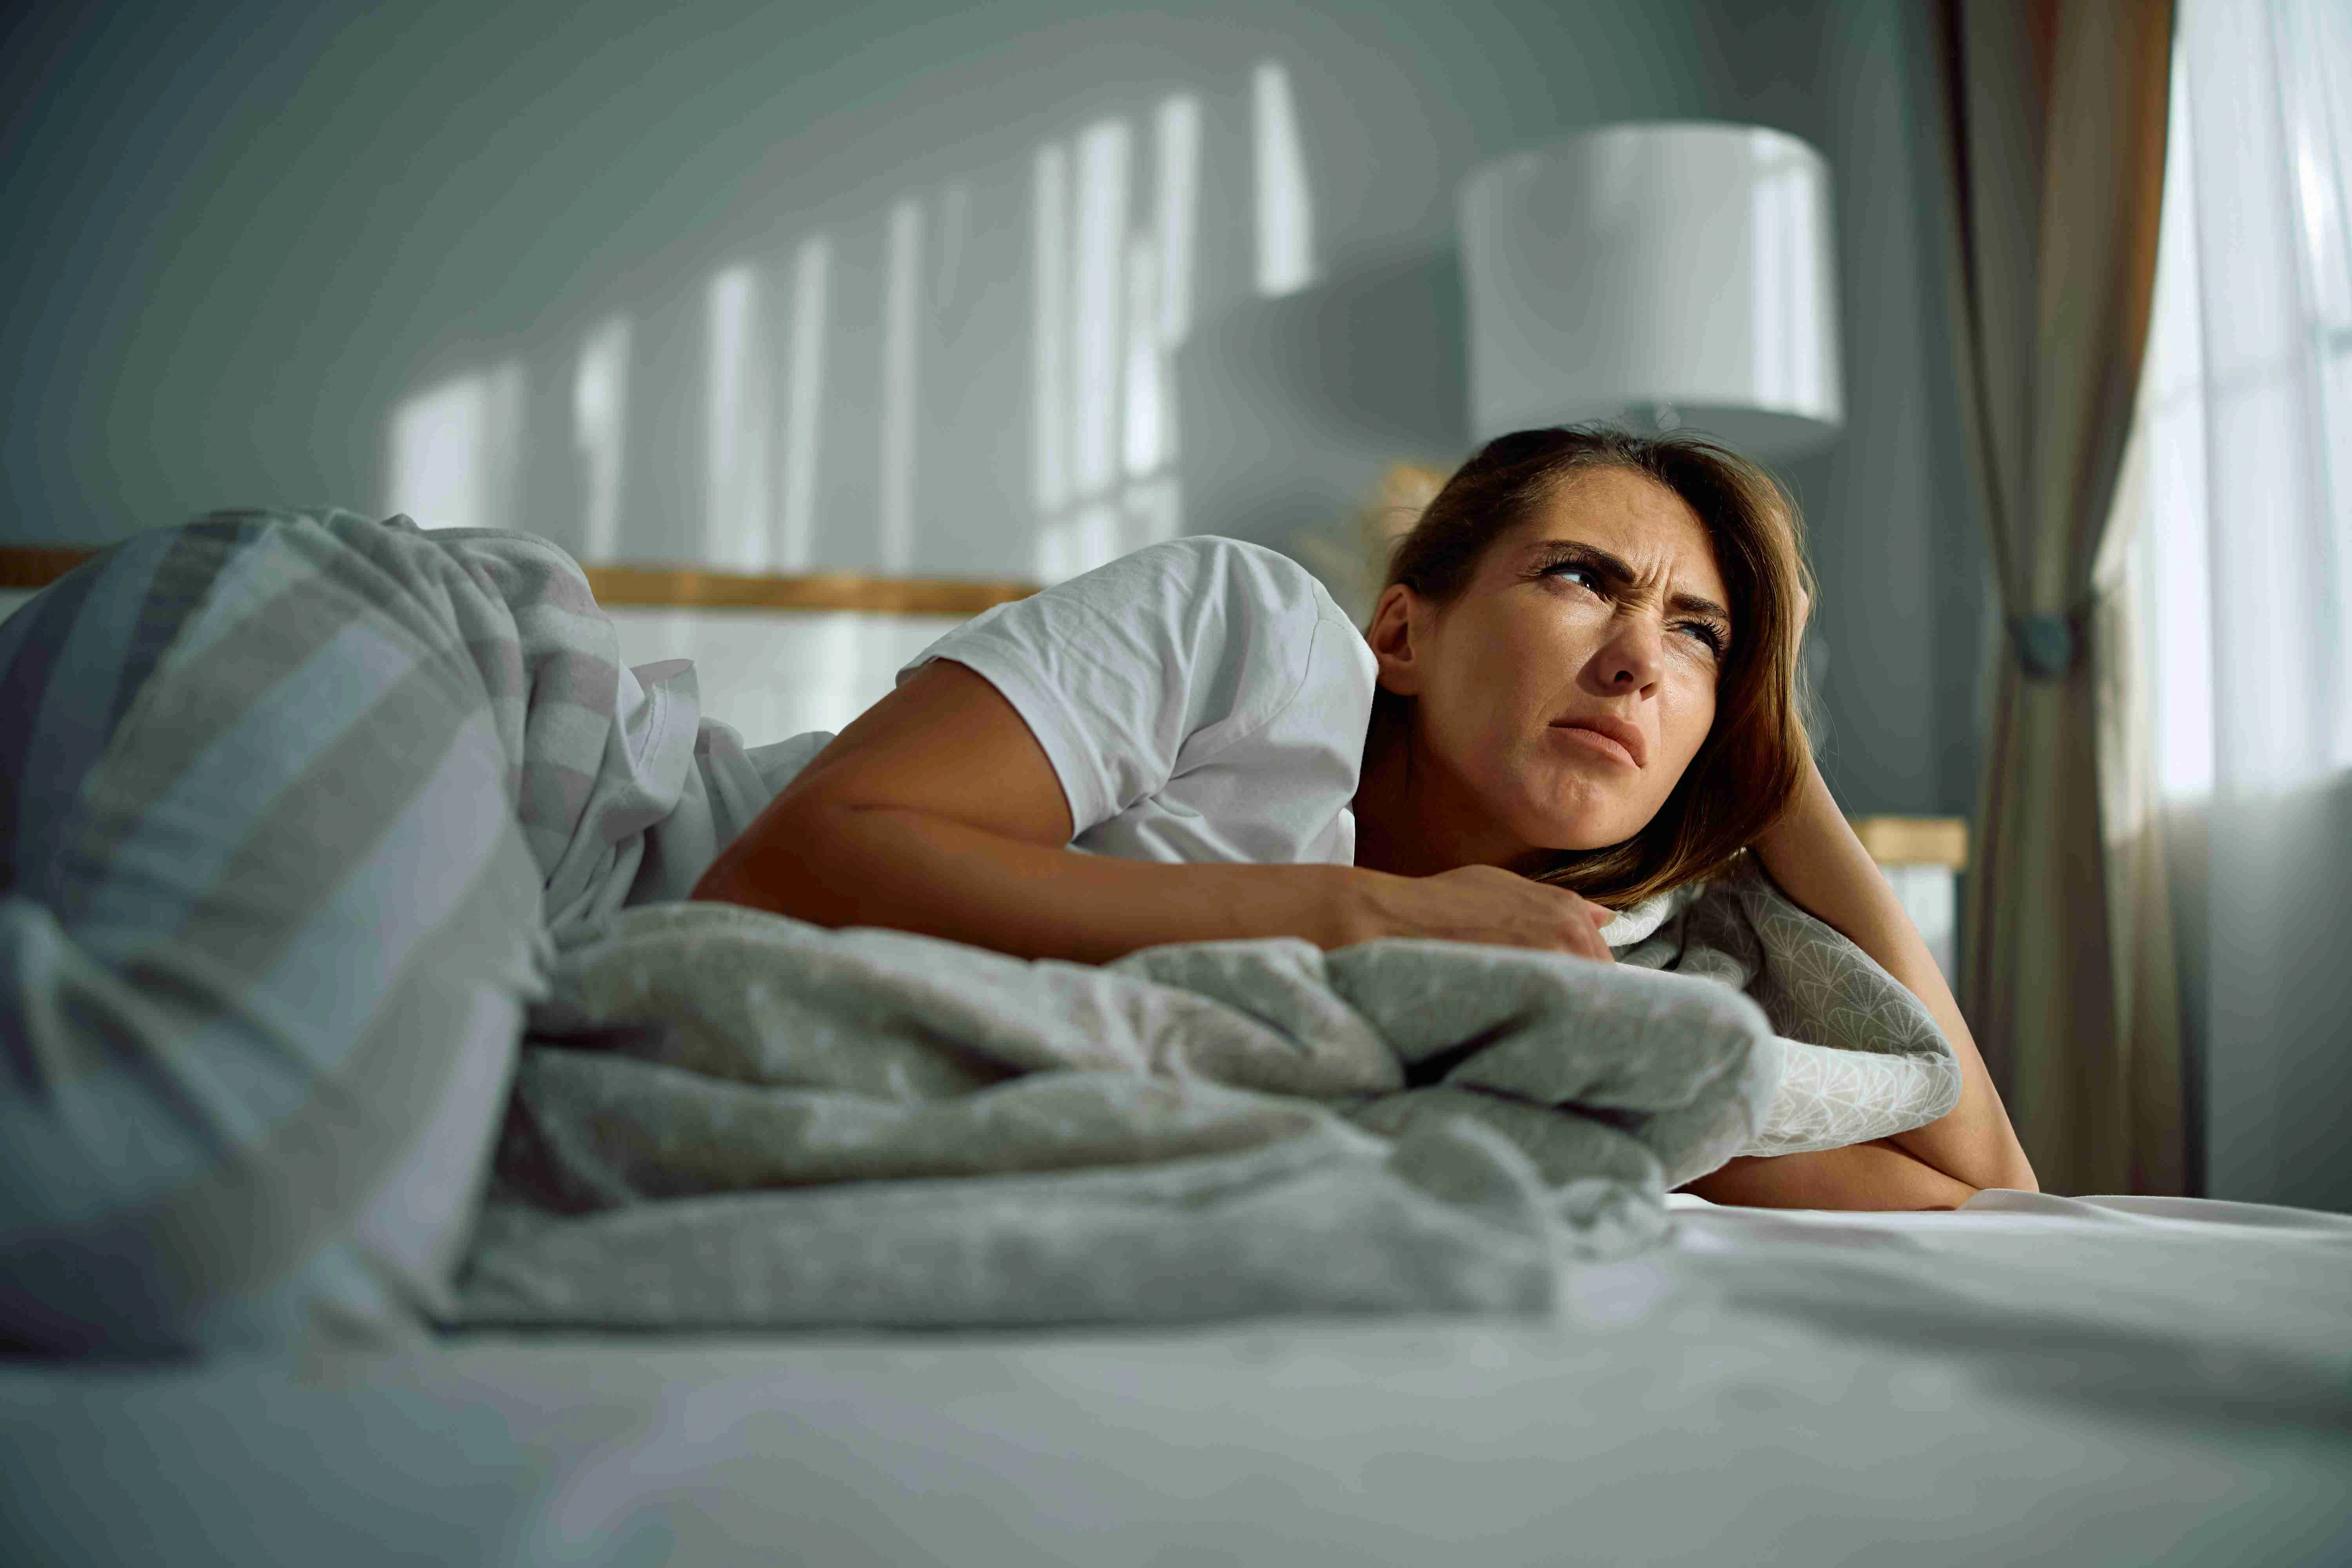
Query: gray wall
(240,240)
(2262,904)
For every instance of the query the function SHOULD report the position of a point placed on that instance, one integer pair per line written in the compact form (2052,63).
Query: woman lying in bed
(1577,693)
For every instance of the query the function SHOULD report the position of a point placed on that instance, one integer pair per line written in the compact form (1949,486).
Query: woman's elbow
(717,886)
(753,869)
(2017,1175)
(726,883)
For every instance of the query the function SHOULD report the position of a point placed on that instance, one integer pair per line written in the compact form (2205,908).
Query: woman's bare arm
(936,811)
(1813,855)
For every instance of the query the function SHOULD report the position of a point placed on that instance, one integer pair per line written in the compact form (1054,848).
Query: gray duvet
(725,1118)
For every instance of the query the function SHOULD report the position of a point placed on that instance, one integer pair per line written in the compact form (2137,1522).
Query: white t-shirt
(1201,700)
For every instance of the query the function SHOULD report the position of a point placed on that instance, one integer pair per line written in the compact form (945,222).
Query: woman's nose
(1628,663)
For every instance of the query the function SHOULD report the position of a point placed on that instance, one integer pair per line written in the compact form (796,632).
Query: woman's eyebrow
(1614,569)
(1594,559)
(1692,604)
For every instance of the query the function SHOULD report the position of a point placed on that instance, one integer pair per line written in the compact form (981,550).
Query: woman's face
(1561,695)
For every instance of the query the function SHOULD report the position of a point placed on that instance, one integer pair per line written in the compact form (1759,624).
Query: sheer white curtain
(2242,566)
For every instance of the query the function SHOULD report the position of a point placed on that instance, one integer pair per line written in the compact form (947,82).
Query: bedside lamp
(1660,276)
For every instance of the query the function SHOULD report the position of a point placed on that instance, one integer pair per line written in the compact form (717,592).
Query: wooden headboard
(34,566)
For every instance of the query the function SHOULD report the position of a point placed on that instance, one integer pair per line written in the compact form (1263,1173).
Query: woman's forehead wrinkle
(1660,569)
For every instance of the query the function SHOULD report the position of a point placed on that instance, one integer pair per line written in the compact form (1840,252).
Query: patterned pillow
(267,929)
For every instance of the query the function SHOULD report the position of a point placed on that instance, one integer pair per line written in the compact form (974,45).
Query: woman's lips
(1620,743)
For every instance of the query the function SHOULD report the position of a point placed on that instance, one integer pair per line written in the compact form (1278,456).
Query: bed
(2028,1379)
(2031,1379)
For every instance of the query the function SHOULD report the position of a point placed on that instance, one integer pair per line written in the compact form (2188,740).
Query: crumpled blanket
(727,1119)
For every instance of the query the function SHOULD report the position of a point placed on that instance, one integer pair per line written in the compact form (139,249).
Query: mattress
(2031,1379)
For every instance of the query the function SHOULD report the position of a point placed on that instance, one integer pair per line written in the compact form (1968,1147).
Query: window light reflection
(1099,258)
(600,412)
(902,302)
(1285,223)
(454,447)
(735,424)
(804,380)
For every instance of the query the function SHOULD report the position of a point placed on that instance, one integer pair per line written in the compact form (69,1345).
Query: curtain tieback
(2048,645)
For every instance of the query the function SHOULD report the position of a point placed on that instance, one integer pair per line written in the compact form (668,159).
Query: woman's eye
(1709,635)
(1584,576)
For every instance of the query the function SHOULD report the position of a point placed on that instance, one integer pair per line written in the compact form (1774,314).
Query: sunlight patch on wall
(1146,438)
(1176,179)
(1097,275)
(1114,264)
(1154,510)
(902,302)
(1285,216)
(600,415)
(804,380)
(1114,226)
(735,422)
(1078,543)
(1049,353)
(454,449)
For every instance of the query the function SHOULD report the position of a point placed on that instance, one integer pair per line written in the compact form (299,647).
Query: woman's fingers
(1489,905)
(1584,930)
(1575,924)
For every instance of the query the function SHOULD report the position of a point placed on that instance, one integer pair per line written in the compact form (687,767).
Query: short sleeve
(1159,661)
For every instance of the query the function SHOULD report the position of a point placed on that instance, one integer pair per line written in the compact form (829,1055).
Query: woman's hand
(1481,904)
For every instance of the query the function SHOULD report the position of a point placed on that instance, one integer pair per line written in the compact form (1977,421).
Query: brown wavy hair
(1748,769)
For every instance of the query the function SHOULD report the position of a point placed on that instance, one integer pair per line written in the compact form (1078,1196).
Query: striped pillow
(268,928)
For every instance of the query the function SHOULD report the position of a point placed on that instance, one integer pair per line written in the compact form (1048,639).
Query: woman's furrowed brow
(1615,571)
(1599,561)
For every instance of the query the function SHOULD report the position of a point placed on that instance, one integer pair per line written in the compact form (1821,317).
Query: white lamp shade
(1658,275)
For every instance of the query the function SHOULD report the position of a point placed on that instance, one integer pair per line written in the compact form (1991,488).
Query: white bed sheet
(2029,1380)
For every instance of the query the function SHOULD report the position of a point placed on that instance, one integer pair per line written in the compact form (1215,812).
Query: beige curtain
(2056,134)
(2147,1091)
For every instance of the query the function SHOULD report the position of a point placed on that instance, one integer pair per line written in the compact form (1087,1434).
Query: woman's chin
(1579,816)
